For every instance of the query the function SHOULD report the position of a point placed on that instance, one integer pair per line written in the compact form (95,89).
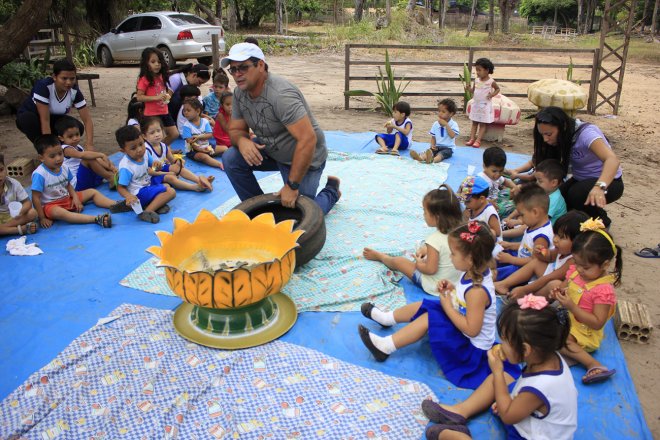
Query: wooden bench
(89,77)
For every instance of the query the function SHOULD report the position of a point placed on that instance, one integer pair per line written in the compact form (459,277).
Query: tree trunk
(491,18)
(410,6)
(218,10)
(654,21)
(278,17)
(17,32)
(554,19)
(579,16)
(443,11)
(506,7)
(471,21)
(388,11)
(210,15)
(232,15)
(359,8)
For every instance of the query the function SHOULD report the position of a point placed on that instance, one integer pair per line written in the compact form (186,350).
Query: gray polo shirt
(279,105)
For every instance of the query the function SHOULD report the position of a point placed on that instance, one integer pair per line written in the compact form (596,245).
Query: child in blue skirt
(461,324)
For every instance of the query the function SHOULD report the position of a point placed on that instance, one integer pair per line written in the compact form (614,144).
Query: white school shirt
(73,163)
(135,175)
(486,337)
(190,129)
(163,147)
(557,391)
(559,262)
(526,248)
(442,138)
(13,191)
(52,186)
(403,124)
(485,215)
(133,121)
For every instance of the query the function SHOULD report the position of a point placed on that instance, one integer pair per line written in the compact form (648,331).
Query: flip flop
(433,432)
(379,151)
(395,153)
(103,220)
(605,373)
(649,252)
(366,340)
(437,414)
(149,217)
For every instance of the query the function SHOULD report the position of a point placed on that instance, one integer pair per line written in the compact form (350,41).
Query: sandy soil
(633,133)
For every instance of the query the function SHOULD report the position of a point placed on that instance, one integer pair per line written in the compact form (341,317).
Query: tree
(359,8)
(279,27)
(506,8)
(211,16)
(16,33)
(473,12)
(491,18)
(654,21)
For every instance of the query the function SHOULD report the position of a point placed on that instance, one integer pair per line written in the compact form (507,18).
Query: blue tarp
(51,299)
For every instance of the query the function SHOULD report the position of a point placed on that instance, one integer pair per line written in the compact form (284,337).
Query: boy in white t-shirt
(135,182)
(399,131)
(12,191)
(494,161)
(89,168)
(443,135)
(53,195)
(532,203)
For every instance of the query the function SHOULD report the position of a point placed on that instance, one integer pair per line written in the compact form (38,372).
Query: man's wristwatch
(293,185)
(602,185)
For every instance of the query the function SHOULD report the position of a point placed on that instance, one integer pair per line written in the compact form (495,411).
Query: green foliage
(388,92)
(466,80)
(83,54)
(538,11)
(23,74)
(7,9)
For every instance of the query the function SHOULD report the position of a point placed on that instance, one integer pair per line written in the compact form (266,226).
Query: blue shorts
(390,138)
(86,178)
(158,180)
(148,193)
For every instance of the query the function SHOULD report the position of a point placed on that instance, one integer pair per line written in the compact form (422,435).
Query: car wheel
(167,54)
(205,60)
(106,57)
(307,215)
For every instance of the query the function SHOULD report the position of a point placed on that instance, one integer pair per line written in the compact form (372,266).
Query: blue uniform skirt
(462,363)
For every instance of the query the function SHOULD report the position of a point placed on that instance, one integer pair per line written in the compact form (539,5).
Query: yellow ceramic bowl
(230,262)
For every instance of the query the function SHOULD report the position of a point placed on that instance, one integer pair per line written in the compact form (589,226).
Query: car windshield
(184,19)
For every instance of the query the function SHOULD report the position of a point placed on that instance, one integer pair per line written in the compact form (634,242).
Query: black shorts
(168,120)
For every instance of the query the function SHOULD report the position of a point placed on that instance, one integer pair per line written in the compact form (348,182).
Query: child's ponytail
(475,240)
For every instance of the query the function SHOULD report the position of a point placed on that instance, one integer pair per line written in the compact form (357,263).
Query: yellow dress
(588,338)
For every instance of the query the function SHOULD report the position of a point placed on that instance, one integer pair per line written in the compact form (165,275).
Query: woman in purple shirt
(584,152)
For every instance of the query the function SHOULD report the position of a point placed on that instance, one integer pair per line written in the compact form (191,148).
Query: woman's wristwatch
(601,185)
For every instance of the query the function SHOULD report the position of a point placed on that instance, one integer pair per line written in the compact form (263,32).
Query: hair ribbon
(597,225)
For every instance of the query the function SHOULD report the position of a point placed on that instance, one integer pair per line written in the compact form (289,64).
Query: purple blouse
(584,162)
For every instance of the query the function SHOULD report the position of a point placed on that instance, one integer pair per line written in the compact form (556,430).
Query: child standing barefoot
(588,295)
(197,132)
(399,131)
(542,405)
(442,211)
(172,169)
(483,90)
(461,325)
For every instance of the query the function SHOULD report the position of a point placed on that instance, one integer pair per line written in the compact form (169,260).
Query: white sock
(382,318)
(386,344)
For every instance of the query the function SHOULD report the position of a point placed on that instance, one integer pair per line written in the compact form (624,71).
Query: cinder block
(20,167)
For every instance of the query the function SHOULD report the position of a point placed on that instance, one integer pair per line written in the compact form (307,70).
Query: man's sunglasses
(241,68)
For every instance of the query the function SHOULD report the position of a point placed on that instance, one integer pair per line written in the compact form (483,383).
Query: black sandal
(103,220)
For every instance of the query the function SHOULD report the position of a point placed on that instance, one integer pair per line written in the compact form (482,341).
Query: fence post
(347,72)
(593,87)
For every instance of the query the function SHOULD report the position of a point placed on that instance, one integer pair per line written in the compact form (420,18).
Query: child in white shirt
(443,135)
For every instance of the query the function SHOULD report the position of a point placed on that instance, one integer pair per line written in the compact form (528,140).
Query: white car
(178,35)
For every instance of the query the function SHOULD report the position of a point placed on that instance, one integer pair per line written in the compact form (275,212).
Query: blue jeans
(241,177)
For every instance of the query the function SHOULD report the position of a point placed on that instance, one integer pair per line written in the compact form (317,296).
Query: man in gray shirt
(288,137)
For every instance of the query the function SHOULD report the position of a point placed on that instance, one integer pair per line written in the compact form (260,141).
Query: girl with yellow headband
(588,295)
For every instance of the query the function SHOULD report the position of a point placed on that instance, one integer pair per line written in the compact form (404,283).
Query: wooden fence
(465,55)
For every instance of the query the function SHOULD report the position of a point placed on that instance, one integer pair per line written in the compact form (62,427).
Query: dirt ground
(633,133)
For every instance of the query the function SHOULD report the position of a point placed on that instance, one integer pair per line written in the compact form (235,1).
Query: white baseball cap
(242,52)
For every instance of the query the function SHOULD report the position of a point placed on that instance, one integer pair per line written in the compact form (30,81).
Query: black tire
(308,217)
(106,57)
(169,58)
(205,60)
